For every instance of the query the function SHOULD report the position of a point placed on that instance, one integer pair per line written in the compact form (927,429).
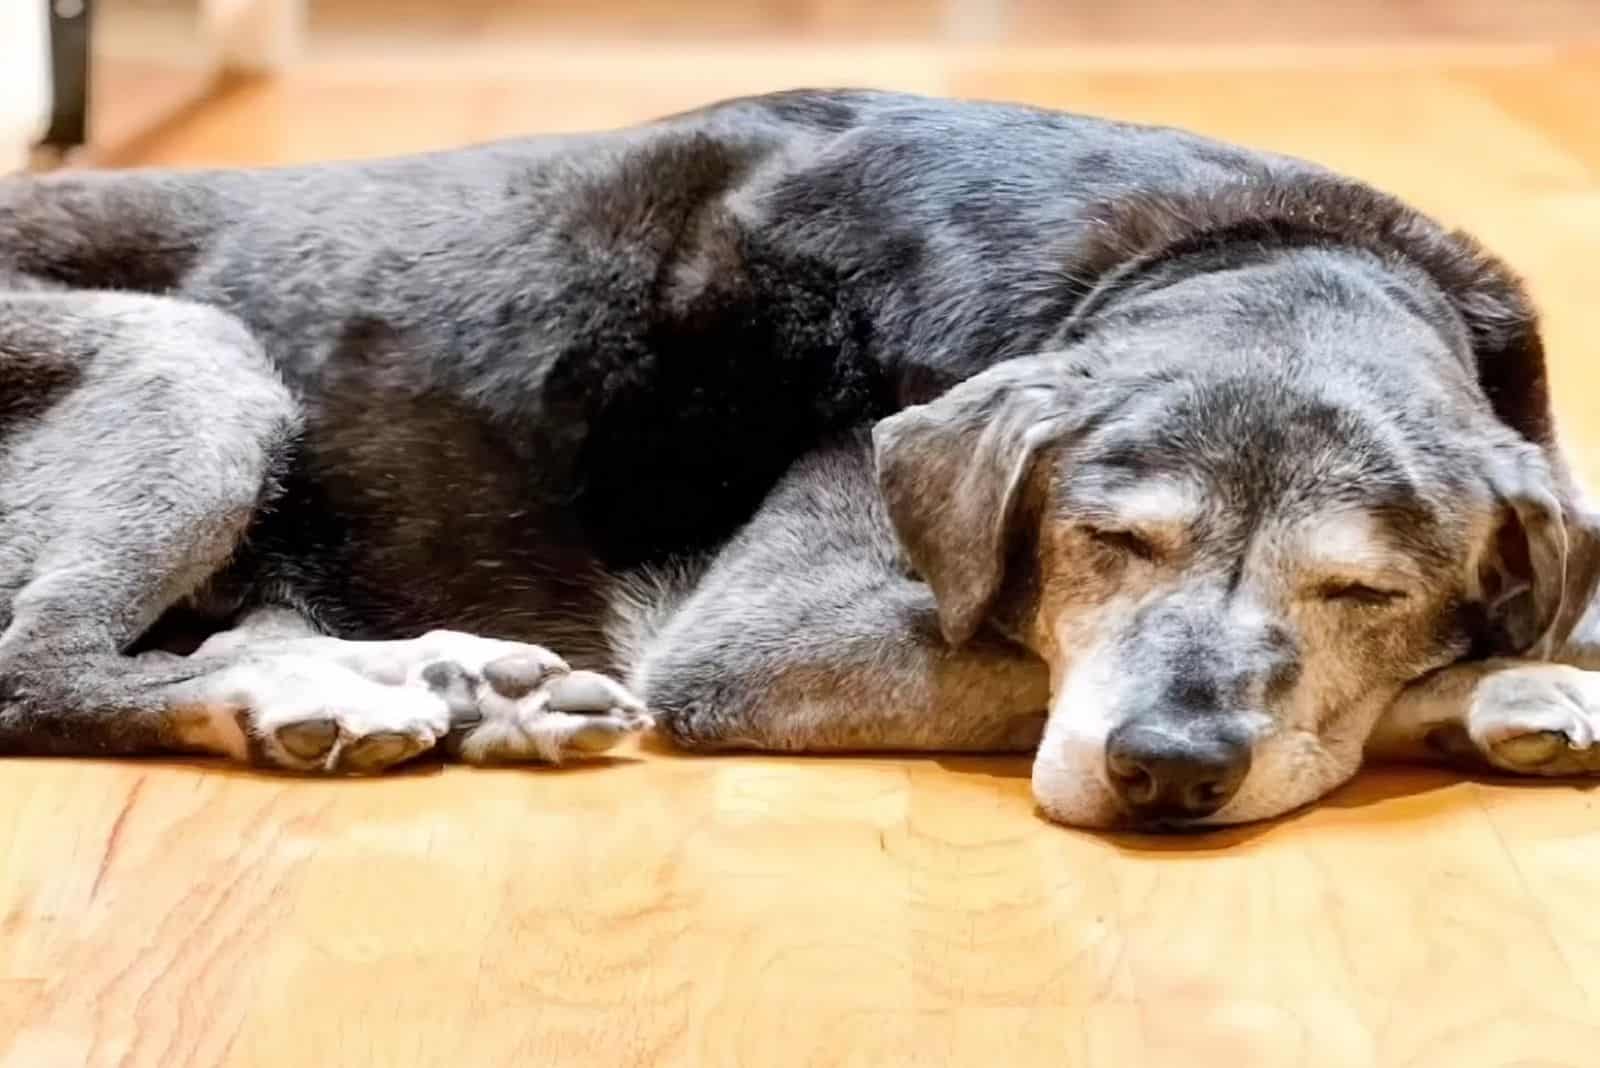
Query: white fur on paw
(473,654)
(1541,719)
(310,715)
(522,707)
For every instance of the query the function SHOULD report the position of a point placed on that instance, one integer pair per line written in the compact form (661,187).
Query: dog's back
(582,354)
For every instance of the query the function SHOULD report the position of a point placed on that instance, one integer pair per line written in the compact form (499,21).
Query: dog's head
(1235,521)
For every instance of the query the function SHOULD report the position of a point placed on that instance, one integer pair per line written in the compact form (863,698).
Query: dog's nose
(1163,775)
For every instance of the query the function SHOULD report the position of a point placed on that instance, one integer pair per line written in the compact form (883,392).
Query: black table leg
(69,56)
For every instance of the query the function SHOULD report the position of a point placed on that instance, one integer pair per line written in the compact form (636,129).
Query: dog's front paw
(526,704)
(1540,719)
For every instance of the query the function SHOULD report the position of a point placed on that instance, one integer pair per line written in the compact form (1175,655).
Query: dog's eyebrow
(1154,501)
(1353,540)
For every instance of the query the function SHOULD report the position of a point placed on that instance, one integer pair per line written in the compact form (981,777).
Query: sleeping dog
(819,421)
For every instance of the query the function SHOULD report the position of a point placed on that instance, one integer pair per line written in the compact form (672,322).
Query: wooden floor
(662,910)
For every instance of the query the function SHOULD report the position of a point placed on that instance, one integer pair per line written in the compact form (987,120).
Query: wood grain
(665,910)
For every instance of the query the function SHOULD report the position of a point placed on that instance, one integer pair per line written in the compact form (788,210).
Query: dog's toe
(511,702)
(574,714)
(377,752)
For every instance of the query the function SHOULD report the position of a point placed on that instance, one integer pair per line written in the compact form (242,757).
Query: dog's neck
(1136,234)
(1473,300)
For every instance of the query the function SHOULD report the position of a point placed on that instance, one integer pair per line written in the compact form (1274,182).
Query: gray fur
(122,491)
(808,632)
(814,415)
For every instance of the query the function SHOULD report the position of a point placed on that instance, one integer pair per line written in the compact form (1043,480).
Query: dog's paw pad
(309,739)
(322,718)
(376,752)
(1532,750)
(599,735)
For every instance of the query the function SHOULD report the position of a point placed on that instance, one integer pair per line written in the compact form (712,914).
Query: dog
(815,421)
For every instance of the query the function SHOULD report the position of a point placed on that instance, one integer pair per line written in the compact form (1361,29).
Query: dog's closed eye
(1124,541)
(1360,594)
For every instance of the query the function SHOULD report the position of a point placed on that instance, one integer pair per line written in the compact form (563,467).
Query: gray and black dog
(823,420)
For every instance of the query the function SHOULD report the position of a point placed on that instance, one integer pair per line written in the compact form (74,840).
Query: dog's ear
(1542,568)
(951,472)
(1539,572)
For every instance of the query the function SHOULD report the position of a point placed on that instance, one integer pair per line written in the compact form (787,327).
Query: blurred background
(364,76)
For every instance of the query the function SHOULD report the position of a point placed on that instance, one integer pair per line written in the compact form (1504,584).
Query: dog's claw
(585,691)
(519,675)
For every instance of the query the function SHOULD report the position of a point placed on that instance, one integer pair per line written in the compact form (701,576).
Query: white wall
(24,79)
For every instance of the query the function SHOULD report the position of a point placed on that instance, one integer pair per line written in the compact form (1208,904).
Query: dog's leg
(137,437)
(805,635)
(885,684)
(137,440)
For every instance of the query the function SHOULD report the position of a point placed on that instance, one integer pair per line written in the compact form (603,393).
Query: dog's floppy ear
(1542,564)
(1542,569)
(951,472)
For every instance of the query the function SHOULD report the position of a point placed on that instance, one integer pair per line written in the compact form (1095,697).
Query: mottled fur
(611,394)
